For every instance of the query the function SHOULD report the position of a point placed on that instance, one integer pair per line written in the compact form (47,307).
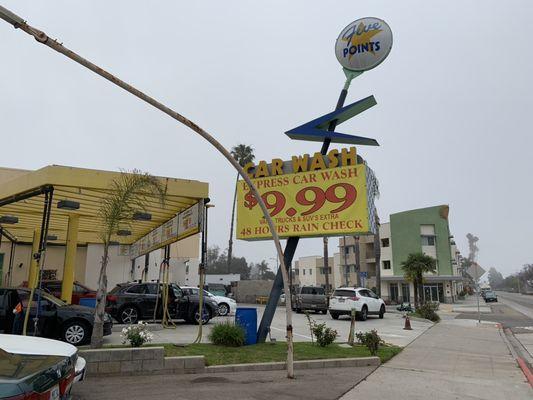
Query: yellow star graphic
(361,38)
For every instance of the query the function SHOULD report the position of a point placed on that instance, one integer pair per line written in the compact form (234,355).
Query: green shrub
(427,311)
(227,334)
(371,340)
(324,335)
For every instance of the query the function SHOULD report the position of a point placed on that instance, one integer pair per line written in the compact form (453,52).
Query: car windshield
(490,294)
(312,290)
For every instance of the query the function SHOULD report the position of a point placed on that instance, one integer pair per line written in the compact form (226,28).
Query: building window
(346,249)
(303,270)
(428,240)
(385,242)
(386,264)
(310,271)
(296,272)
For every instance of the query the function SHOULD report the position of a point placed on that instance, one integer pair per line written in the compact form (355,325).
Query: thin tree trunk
(97,338)
(377,252)
(415,287)
(326,260)
(230,243)
(357,251)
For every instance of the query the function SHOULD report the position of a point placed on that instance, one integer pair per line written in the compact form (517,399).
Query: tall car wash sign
(322,195)
(364,44)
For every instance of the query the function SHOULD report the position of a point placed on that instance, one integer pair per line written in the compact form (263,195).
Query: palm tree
(414,268)
(243,154)
(128,194)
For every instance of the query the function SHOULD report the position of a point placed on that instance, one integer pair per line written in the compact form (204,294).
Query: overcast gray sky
(453,115)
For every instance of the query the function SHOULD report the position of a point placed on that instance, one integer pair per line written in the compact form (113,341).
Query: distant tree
(495,278)
(243,154)
(262,268)
(414,268)
(217,263)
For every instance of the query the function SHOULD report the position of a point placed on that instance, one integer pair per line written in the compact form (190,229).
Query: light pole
(41,37)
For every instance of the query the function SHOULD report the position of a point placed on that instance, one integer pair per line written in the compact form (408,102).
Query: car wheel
(128,315)
(298,311)
(223,309)
(334,315)
(364,313)
(324,312)
(382,312)
(75,333)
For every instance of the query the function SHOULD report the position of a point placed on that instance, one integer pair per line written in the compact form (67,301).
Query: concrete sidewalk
(456,359)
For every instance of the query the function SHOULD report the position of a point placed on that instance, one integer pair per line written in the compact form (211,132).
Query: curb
(519,360)
(525,369)
(308,364)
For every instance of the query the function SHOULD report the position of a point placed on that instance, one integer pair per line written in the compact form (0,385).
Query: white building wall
(54,260)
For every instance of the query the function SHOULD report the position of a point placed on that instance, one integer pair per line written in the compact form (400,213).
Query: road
(513,311)
(311,384)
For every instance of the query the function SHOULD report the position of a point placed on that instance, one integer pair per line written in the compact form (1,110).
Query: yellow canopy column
(70,258)
(33,273)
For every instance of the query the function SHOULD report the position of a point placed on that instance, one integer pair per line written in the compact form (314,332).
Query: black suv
(57,320)
(133,301)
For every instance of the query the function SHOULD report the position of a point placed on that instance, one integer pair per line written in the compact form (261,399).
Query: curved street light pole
(43,38)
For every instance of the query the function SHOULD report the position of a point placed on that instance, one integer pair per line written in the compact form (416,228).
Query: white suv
(363,300)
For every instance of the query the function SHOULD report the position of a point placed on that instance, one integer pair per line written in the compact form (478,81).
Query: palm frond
(128,194)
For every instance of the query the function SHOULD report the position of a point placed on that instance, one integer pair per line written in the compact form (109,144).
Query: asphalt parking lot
(389,328)
(311,384)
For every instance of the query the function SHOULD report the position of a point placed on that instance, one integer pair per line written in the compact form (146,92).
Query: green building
(424,230)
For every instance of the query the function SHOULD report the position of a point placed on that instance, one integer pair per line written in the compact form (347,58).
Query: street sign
(317,129)
(363,44)
(363,274)
(475,271)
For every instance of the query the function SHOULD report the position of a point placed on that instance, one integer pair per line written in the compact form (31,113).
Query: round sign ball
(364,44)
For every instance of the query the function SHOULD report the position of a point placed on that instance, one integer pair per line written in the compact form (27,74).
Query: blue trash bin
(247,318)
(88,302)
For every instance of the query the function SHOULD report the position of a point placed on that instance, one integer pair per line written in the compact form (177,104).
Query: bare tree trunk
(415,287)
(326,264)
(97,338)
(357,251)
(377,252)
(230,243)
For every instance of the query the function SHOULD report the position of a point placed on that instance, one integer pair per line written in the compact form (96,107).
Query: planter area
(201,358)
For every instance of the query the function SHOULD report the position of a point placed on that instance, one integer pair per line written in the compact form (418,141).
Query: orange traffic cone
(407,325)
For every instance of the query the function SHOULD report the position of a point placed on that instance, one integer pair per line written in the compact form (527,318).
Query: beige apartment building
(310,271)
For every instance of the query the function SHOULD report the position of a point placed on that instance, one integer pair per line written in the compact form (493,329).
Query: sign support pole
(292,242)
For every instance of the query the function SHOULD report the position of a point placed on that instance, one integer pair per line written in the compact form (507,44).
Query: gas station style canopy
(79,192)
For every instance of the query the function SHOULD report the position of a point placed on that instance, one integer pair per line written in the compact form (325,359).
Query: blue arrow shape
(316,130)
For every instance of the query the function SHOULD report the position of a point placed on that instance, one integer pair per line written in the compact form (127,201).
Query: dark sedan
(490,296)
(131,302)
(57,320)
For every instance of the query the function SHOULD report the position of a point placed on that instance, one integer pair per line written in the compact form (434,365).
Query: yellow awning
(87,187)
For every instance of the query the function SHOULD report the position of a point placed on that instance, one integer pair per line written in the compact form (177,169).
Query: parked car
(490,296)
(57,320)
(310,298)
(131,302)
(79,291)
(226,306)
(38,368)
(363,300)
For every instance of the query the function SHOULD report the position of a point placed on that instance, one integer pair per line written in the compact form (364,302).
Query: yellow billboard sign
(319,202)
